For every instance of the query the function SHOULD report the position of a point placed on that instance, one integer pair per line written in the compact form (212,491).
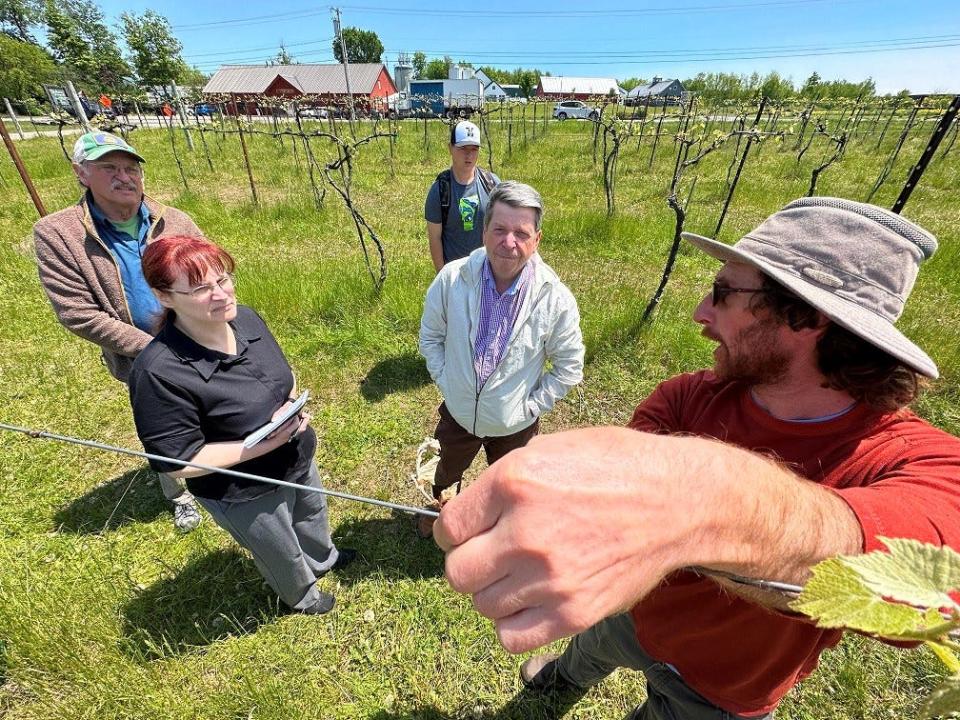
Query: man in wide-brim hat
(795,447)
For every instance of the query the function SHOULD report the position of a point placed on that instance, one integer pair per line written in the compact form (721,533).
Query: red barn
(244,87)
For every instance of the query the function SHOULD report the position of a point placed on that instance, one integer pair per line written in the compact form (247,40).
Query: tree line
(82,48)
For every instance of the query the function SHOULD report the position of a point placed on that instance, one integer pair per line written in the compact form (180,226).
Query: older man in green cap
(89,262)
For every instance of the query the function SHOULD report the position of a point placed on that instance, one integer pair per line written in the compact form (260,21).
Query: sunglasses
(720,292)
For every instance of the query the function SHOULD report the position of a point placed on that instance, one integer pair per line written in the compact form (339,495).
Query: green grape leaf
(912,572)
(837,597)
(944,700)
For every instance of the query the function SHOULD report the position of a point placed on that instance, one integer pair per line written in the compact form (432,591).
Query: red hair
(168,258)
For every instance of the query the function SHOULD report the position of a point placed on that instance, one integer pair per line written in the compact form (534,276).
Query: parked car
(575,109)
(90,109)
(313,112)
(204,109)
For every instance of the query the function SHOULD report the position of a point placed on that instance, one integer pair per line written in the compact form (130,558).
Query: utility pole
(346,65)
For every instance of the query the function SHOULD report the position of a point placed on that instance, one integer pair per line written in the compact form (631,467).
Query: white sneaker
(186,517)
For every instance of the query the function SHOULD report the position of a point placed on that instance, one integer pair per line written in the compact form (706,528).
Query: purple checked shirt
(498,315)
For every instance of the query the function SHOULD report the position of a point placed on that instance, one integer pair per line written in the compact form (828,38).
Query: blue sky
(900,44)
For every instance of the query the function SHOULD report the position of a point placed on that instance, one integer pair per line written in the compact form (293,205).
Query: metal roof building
(577,88)
(369,82)
(658,88)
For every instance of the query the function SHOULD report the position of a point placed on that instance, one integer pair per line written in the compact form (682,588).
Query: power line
(486,58)
(220,53)
(919,40)
(446,11)
(665,56)
(553,13)
(254,19)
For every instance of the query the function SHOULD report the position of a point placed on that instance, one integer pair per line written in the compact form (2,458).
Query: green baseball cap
(91,146)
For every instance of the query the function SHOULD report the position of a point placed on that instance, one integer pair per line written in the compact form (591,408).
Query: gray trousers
(174,489)
(611,644)
(288,534)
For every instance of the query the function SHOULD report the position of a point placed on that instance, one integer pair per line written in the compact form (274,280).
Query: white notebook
(258,435)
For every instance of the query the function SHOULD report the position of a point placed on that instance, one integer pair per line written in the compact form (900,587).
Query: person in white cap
(796,446)
(88,257)
(458,198)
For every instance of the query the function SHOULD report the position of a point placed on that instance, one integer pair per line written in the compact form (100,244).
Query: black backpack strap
(443,180)
(486,179)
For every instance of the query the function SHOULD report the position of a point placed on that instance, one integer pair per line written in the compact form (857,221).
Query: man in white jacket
(491,321)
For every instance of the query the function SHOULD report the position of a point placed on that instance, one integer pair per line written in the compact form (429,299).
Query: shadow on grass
(125,499)
(525,705)
(388,546)
(394,374)
(219,594)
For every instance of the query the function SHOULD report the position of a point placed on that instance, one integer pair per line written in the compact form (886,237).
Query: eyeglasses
(720,292)
(205,292)
(114,169)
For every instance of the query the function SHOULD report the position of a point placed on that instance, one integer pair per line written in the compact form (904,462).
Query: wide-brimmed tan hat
(856,263)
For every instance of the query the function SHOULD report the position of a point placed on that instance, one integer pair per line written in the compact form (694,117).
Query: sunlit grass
(106,613)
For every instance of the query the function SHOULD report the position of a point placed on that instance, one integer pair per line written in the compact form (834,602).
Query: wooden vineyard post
(246,161)
(21,168)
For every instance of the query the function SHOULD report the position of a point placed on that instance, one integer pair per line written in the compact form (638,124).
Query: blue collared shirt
(127,250)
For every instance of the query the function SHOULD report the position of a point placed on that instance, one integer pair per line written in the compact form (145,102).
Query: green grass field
(105,612)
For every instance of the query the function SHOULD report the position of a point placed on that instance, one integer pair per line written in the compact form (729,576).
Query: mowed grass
(105,612)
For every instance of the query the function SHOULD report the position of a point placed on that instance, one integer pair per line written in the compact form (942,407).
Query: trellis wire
(44,435)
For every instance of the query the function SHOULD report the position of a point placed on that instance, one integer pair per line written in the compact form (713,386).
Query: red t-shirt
(899,474)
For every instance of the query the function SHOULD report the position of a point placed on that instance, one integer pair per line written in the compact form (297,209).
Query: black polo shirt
(185,395)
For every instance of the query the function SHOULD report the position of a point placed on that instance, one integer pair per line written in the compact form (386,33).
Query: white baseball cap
(465,133)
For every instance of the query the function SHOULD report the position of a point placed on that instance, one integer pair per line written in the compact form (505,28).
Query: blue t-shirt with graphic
(463,232)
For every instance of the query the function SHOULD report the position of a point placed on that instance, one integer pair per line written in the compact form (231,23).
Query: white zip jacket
(520,389)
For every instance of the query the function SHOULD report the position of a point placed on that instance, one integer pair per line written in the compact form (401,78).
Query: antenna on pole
(346,64)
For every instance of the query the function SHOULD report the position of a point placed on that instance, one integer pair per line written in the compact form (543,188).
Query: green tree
(155,52)
(283,57)
(363,46)
(811,87)
(419,64)
(24,68)
(527,82)
(630,83)
(776,87)
(437,69)
(80,39)
(192,77)
(18,17)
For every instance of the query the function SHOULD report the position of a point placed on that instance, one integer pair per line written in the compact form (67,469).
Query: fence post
(24,175)
(13,118)
(178,101)
(938,134)
(78,108)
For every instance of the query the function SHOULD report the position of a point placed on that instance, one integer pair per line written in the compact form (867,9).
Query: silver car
(575,109)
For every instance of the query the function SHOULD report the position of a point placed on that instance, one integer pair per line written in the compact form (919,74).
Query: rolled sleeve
(167,420)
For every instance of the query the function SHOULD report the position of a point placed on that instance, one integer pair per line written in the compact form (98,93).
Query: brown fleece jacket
(82,279)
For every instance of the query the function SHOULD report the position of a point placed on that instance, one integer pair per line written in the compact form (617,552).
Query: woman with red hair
(211,376)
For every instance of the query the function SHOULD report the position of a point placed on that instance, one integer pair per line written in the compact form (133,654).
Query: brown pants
(458,448)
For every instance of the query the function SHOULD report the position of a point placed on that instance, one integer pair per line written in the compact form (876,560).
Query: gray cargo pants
(611,644)
(288,534)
